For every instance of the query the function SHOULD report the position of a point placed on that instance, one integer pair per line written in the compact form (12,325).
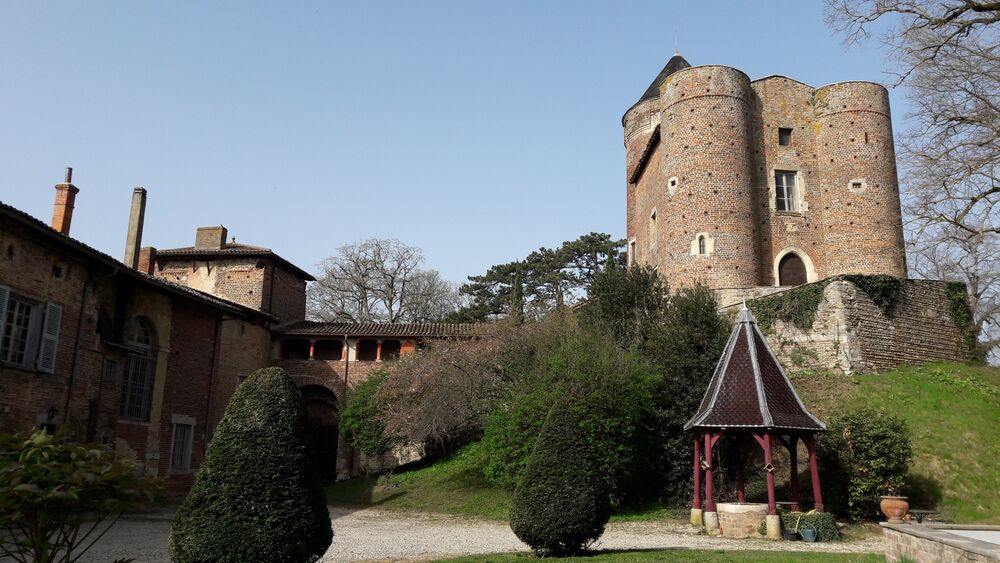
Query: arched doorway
(321,407)
(792,270)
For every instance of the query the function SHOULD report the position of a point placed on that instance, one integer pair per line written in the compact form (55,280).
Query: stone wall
(934,544)
(852,334)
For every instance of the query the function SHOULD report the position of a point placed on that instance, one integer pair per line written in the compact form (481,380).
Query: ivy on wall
(799,305)
(962,315)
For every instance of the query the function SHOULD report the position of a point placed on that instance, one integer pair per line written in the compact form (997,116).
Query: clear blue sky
(477,131)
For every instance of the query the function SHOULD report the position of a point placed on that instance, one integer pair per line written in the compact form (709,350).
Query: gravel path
(371,534)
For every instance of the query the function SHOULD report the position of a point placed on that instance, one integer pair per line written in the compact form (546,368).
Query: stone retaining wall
(934,544)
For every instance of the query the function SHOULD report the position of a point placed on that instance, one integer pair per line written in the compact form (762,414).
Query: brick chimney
(62,211)
(147,260)
(134,238)
(210,237)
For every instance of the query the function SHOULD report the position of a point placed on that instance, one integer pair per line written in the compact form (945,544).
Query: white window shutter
(4,298)
(50,338)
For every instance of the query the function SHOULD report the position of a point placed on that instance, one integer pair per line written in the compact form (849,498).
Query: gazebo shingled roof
(749,389)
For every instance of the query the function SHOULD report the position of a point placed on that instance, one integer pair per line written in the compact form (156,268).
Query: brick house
(145,353)
(116,355)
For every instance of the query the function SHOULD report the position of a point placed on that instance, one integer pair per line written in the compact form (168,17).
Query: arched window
(701,244)
(140,365)
(792,270)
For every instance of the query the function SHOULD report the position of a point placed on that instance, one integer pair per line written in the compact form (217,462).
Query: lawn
(953,412)
(686,555)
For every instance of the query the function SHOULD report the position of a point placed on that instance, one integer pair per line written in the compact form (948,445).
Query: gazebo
(750,396)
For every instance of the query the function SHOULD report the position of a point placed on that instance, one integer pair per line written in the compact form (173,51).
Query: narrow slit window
(180,455)
(784,136)
(701,244)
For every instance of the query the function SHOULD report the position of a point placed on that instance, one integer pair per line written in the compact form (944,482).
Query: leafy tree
(561,505)
(361,418)
(684,348)
(947,56)
(865,453)
(626,303)
(52,489)
(258,495)
(613,390)
(380,280)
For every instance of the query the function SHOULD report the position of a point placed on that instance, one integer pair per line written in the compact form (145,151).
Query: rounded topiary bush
(562,503)
(257,497)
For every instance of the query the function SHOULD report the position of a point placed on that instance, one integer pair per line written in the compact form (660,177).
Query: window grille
(180,451)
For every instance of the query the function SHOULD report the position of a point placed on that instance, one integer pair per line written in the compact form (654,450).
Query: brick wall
(240,280)
(287,295)
(852,334)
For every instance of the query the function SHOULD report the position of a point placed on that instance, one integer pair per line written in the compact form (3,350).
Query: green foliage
(258,495)
(561,505)
(626,303)
(961,313)
(51,488)
(884,291)
(865,454)
(516,313)
(823,522)
(797,305)
(360,419)
(614,391)
(684,349)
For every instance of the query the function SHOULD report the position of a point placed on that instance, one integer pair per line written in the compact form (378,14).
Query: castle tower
(861,219)
(737,183)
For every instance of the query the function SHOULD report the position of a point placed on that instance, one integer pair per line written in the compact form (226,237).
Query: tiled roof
(676,62)
(234,249)
(749,389)
(45,230)
(381,329)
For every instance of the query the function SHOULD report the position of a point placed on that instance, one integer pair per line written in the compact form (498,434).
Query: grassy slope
(953,412)
(954,416)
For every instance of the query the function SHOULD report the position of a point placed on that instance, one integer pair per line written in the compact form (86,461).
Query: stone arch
(797,265)
(323,410)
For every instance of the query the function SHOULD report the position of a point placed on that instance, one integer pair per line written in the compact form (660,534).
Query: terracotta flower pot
(894,508)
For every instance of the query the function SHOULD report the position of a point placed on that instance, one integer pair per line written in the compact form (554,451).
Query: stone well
(740,520)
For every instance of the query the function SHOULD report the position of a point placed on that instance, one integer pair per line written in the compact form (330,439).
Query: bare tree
(379,280)
(947,54)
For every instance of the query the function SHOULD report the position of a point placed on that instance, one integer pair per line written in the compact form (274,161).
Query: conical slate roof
(675,63)
(749,389)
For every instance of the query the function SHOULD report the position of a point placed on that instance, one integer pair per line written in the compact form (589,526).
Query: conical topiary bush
(257,497)
(562,503)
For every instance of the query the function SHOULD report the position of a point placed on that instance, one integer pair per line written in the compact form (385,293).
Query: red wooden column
(810,442)
(772,508)
(793,478)
(709,500)
(740,496)
(312,349)
(696,504)
(378,351)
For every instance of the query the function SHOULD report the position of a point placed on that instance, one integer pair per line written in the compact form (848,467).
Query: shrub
(360,419)
(561,505)
(614,393)
(51,488)
(864,452)
(626,303)
(822,522)
(257,496)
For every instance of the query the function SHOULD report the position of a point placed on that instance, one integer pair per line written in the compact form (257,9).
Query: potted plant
(893,506)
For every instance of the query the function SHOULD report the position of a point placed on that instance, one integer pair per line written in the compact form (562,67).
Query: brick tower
(739,183)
